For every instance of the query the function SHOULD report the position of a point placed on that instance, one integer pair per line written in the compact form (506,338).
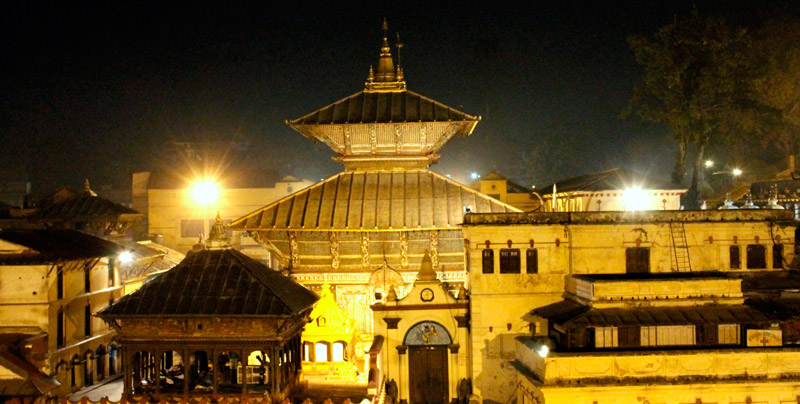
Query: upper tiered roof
(385,126)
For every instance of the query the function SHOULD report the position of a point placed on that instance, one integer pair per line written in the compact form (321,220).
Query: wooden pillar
(186,368)
(273,370)
(127,368)
(157,377)
(243,353)
(215,374)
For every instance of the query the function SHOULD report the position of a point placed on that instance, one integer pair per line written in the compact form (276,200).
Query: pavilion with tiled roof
(89,212)
(218,322)
(386,206)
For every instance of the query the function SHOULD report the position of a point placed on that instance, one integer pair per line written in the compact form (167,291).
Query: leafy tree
(696,75)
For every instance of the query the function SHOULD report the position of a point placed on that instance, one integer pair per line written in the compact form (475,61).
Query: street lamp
(737,172)
(205,192)
(125,257)
(709,164)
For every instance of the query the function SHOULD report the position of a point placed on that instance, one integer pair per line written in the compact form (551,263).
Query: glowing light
(205,192)
(475,176)
(125,257)
(543,351)
(709,163)
(737,172)
(635,199)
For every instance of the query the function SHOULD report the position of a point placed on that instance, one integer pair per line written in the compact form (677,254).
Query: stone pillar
(453,374)
(402,372)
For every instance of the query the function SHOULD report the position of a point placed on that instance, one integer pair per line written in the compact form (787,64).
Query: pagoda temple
(366,229)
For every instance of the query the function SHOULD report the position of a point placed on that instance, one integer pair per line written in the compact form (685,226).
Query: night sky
(97,91)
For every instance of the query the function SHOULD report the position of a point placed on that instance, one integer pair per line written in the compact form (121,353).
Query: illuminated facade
(501,188)
(178,215)
(521,262)
(367,228)
(611,190)
(51,282)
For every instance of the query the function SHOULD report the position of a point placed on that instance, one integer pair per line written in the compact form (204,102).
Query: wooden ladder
(680,248)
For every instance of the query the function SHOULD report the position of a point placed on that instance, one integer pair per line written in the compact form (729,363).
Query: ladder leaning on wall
(680,248)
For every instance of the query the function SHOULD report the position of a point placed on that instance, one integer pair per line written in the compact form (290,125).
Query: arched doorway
(100,362)
(428,375)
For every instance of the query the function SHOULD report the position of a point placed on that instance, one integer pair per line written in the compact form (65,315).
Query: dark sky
(97,91)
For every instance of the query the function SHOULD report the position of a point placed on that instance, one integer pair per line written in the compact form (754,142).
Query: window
(509,261)
(337,354)
(87,321)
(532,261)
(637,260)
(61,334)
(321,352)
(605,337)
(707,334)
(191,228)
(488,261)
(756,257)
(110,272)
(60,283)
(87,278)
(777,256)
(629,336)
(736,261)
(668,335)
(307,352)
(728,334)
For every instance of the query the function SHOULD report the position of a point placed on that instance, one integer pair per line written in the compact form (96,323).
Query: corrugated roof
(214,283)
(56,245)
(368,200)
(613,179)
(576,315)
(383,107)
(83,207)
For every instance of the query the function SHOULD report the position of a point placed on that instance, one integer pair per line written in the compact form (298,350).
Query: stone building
(522,261)
(688,337)
(504,190)
(366,228)
(219,322)
(51,281)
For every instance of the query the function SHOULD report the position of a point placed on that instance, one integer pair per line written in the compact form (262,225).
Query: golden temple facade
(366,229)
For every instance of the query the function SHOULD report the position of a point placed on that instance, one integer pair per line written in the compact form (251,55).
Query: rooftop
(635,217)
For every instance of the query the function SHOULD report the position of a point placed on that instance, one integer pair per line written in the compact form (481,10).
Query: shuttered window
(736,261)
(637,260)
(487,257)
(509,261)
(532,261)
(756,257)
(777,256)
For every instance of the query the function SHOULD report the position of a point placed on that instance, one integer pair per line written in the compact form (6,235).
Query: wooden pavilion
(217,323)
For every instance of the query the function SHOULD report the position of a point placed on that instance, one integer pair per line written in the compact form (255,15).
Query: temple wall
(587,248)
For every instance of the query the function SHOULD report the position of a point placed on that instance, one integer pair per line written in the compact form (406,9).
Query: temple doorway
(428,373)
(428,379)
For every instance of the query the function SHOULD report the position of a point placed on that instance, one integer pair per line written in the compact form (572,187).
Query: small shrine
(217,323)
(424,339)
(329,342)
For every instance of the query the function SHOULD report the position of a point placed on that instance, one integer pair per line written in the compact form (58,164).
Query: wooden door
(428,381)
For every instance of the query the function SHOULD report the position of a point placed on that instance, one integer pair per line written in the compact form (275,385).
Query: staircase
(680,248)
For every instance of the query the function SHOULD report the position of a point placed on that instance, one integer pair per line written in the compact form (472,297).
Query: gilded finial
(385,76)
(217,237)
(87,189)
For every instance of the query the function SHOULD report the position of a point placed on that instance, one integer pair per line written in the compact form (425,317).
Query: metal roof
(55,245)
(573,314)
(372,200)
(85,207)
(383,107)
(608,180)
(215,282)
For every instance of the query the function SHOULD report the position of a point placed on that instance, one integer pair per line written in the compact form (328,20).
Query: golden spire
(87,189)
(385,77)
(217,237)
